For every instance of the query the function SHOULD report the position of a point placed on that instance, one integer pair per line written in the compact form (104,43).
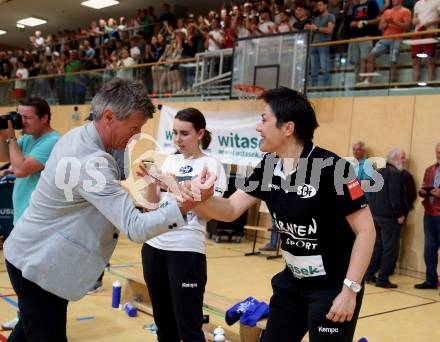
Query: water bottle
(219,334)
(219,338)
(116,294)
(76,115)
(130,310)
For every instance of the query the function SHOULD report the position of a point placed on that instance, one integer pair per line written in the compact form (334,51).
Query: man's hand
(422,193)
(435,192)
(8,132)
(401,219)
(416,20)
(188,194)
(390,20)
(146,176)
(343,306)
(6,172)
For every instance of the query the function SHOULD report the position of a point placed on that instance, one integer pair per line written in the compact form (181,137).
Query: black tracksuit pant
(176,283)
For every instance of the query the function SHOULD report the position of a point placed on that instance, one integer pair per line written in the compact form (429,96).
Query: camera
(15,118)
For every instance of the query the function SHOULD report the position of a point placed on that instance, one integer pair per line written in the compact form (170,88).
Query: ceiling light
(98,4)
(422,84)
(422,55)
(20,26)
(3,32)
(32,21)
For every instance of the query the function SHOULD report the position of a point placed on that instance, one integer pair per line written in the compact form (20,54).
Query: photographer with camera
(28,154)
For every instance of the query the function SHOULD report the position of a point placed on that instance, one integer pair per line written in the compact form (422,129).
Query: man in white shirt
(266,25)
(284,25)
(39,39)
(214,40)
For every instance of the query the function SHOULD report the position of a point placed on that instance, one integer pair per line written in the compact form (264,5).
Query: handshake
(188,193)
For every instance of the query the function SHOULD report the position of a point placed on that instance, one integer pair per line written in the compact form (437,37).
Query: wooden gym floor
(403,314)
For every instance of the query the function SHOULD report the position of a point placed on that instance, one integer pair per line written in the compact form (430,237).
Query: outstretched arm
(227,209)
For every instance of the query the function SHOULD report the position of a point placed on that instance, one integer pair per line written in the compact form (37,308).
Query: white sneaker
(97,287)
(10,325)
(363,83)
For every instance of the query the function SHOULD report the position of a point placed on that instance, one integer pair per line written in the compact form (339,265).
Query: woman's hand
(343,306)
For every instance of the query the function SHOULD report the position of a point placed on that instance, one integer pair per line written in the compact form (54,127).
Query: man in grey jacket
(71,227)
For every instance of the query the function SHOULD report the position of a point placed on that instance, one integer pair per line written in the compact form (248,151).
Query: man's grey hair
(393,154)
(361,144)
(123,97)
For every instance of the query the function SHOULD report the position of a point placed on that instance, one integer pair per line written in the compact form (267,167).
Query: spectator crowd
(114,45)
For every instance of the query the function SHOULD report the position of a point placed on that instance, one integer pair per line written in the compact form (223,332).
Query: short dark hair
(198,121)
(290,105)
(266,10)
(325,2)
(41,106)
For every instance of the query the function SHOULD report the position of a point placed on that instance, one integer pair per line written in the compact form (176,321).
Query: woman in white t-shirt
(174,263)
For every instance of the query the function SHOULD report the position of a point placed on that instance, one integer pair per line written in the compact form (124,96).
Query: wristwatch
(352,285)
(8,140)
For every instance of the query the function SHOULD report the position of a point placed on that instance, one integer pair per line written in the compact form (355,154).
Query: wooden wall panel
(334,117)
(383,123)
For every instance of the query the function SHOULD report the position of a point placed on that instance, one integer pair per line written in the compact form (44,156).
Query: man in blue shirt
(362,167)
(27,155)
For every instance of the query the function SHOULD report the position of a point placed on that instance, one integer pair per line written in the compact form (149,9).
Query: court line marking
(9,300)
(395,310)
(417,296)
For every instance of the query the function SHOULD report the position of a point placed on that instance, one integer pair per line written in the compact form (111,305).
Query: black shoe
(425,285)
(370,279)
(386,285)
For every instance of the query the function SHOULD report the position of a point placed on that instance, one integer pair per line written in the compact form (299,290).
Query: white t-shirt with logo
(191,237)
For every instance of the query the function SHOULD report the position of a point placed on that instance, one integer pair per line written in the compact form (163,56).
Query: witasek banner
(234,138)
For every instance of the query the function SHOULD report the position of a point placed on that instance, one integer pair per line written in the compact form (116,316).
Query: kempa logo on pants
(328,330)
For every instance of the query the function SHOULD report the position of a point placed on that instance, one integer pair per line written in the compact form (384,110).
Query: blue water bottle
(130,310)
(116,294)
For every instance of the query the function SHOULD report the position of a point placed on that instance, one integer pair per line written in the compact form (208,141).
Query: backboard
(271,61)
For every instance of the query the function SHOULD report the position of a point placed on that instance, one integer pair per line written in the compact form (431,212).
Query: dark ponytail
(206,140)
(198,121)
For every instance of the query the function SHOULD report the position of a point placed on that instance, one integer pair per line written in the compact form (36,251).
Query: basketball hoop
(248,96)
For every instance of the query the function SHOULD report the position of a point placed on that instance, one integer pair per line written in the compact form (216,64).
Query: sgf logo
(306,191)
(186,169)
